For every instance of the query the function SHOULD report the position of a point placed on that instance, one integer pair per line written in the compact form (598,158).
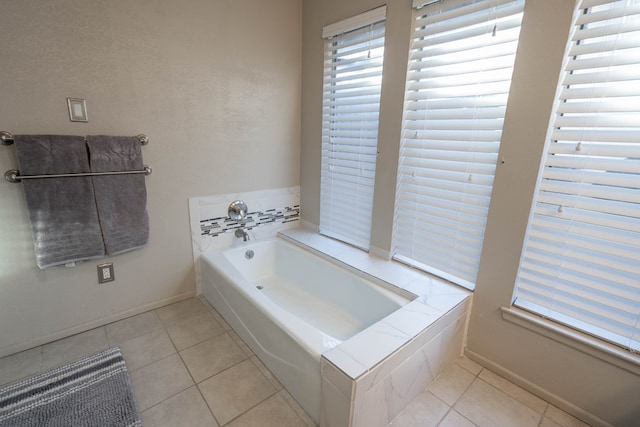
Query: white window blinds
(581,260)
(354,54)
(460,68)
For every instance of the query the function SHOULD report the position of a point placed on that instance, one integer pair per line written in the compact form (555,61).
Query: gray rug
(94,391)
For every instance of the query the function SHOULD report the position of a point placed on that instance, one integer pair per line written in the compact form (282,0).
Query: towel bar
(6,138)
(13,175)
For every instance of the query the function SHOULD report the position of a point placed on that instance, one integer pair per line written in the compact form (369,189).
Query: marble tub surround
(382,392)
(368,379)
(270,211)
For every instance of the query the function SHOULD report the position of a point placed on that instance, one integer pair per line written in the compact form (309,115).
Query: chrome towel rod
(13,175)
(6,138)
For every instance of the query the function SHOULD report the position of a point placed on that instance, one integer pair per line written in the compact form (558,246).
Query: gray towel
(62,211)
(121,199)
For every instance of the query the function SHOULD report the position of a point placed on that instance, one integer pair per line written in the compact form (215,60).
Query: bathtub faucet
(242,233)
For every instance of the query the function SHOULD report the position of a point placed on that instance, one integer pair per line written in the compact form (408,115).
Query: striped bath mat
(94,391)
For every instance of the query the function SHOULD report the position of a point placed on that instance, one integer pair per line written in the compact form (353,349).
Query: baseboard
(531,387)
(16,348)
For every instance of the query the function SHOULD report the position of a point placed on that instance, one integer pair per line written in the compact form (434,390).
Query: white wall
(215,84)
(580,383)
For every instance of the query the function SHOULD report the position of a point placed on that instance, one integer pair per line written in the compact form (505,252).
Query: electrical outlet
(105,273)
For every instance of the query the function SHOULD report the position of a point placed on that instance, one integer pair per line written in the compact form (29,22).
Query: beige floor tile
(217,315)
(206,303)
(273,412)
(564,419)
(469,365)
(487,406)
(267,373)
(73,348)
(146,349)
(299,410)
(188,331)
(454,419)
(425,410)
(235,390)
(185,409)
(173,312)
(20,365)
(450,385)
(518,393)
(236,338)
(546,422)
(162,379)
(212,356)
(132,327)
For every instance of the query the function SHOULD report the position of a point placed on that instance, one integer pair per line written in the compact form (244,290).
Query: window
(581,260)
(459,75)
(354,52)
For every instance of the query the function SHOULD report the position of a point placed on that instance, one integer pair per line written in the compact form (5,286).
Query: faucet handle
(237,210)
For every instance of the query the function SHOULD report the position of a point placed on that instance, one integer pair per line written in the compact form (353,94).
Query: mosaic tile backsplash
(215,226)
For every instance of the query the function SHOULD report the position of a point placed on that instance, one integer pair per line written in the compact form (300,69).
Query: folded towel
(121,199)
(62,211)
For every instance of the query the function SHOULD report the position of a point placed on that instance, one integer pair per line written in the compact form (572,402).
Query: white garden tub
(290,306)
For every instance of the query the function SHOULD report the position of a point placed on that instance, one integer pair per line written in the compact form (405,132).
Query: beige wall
(572,379)
(216,86)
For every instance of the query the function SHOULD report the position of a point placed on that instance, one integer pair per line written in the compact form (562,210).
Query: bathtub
(290,306)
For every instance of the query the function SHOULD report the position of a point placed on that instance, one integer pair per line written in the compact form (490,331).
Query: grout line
(453,410)
(194,381)
(515,400)
(163,400)
(226,369)
(482,368)
(295,411)
(39,363)
(250,408)
(466,418)
(445,415)
(149,364)
(109,339)
(544,413)
(522,402)
(207,403)
(219,372)
(476,378)
(198,343)
(248,357)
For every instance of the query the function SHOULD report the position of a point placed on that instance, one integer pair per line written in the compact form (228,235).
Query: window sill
(574,339)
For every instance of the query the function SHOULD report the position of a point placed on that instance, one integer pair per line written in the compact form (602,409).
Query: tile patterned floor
(188,368)
(468,395)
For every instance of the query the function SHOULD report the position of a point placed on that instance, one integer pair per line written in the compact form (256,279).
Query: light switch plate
(105,273)
(77,110)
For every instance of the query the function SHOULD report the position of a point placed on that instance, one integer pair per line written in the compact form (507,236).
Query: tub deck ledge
(397,357)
